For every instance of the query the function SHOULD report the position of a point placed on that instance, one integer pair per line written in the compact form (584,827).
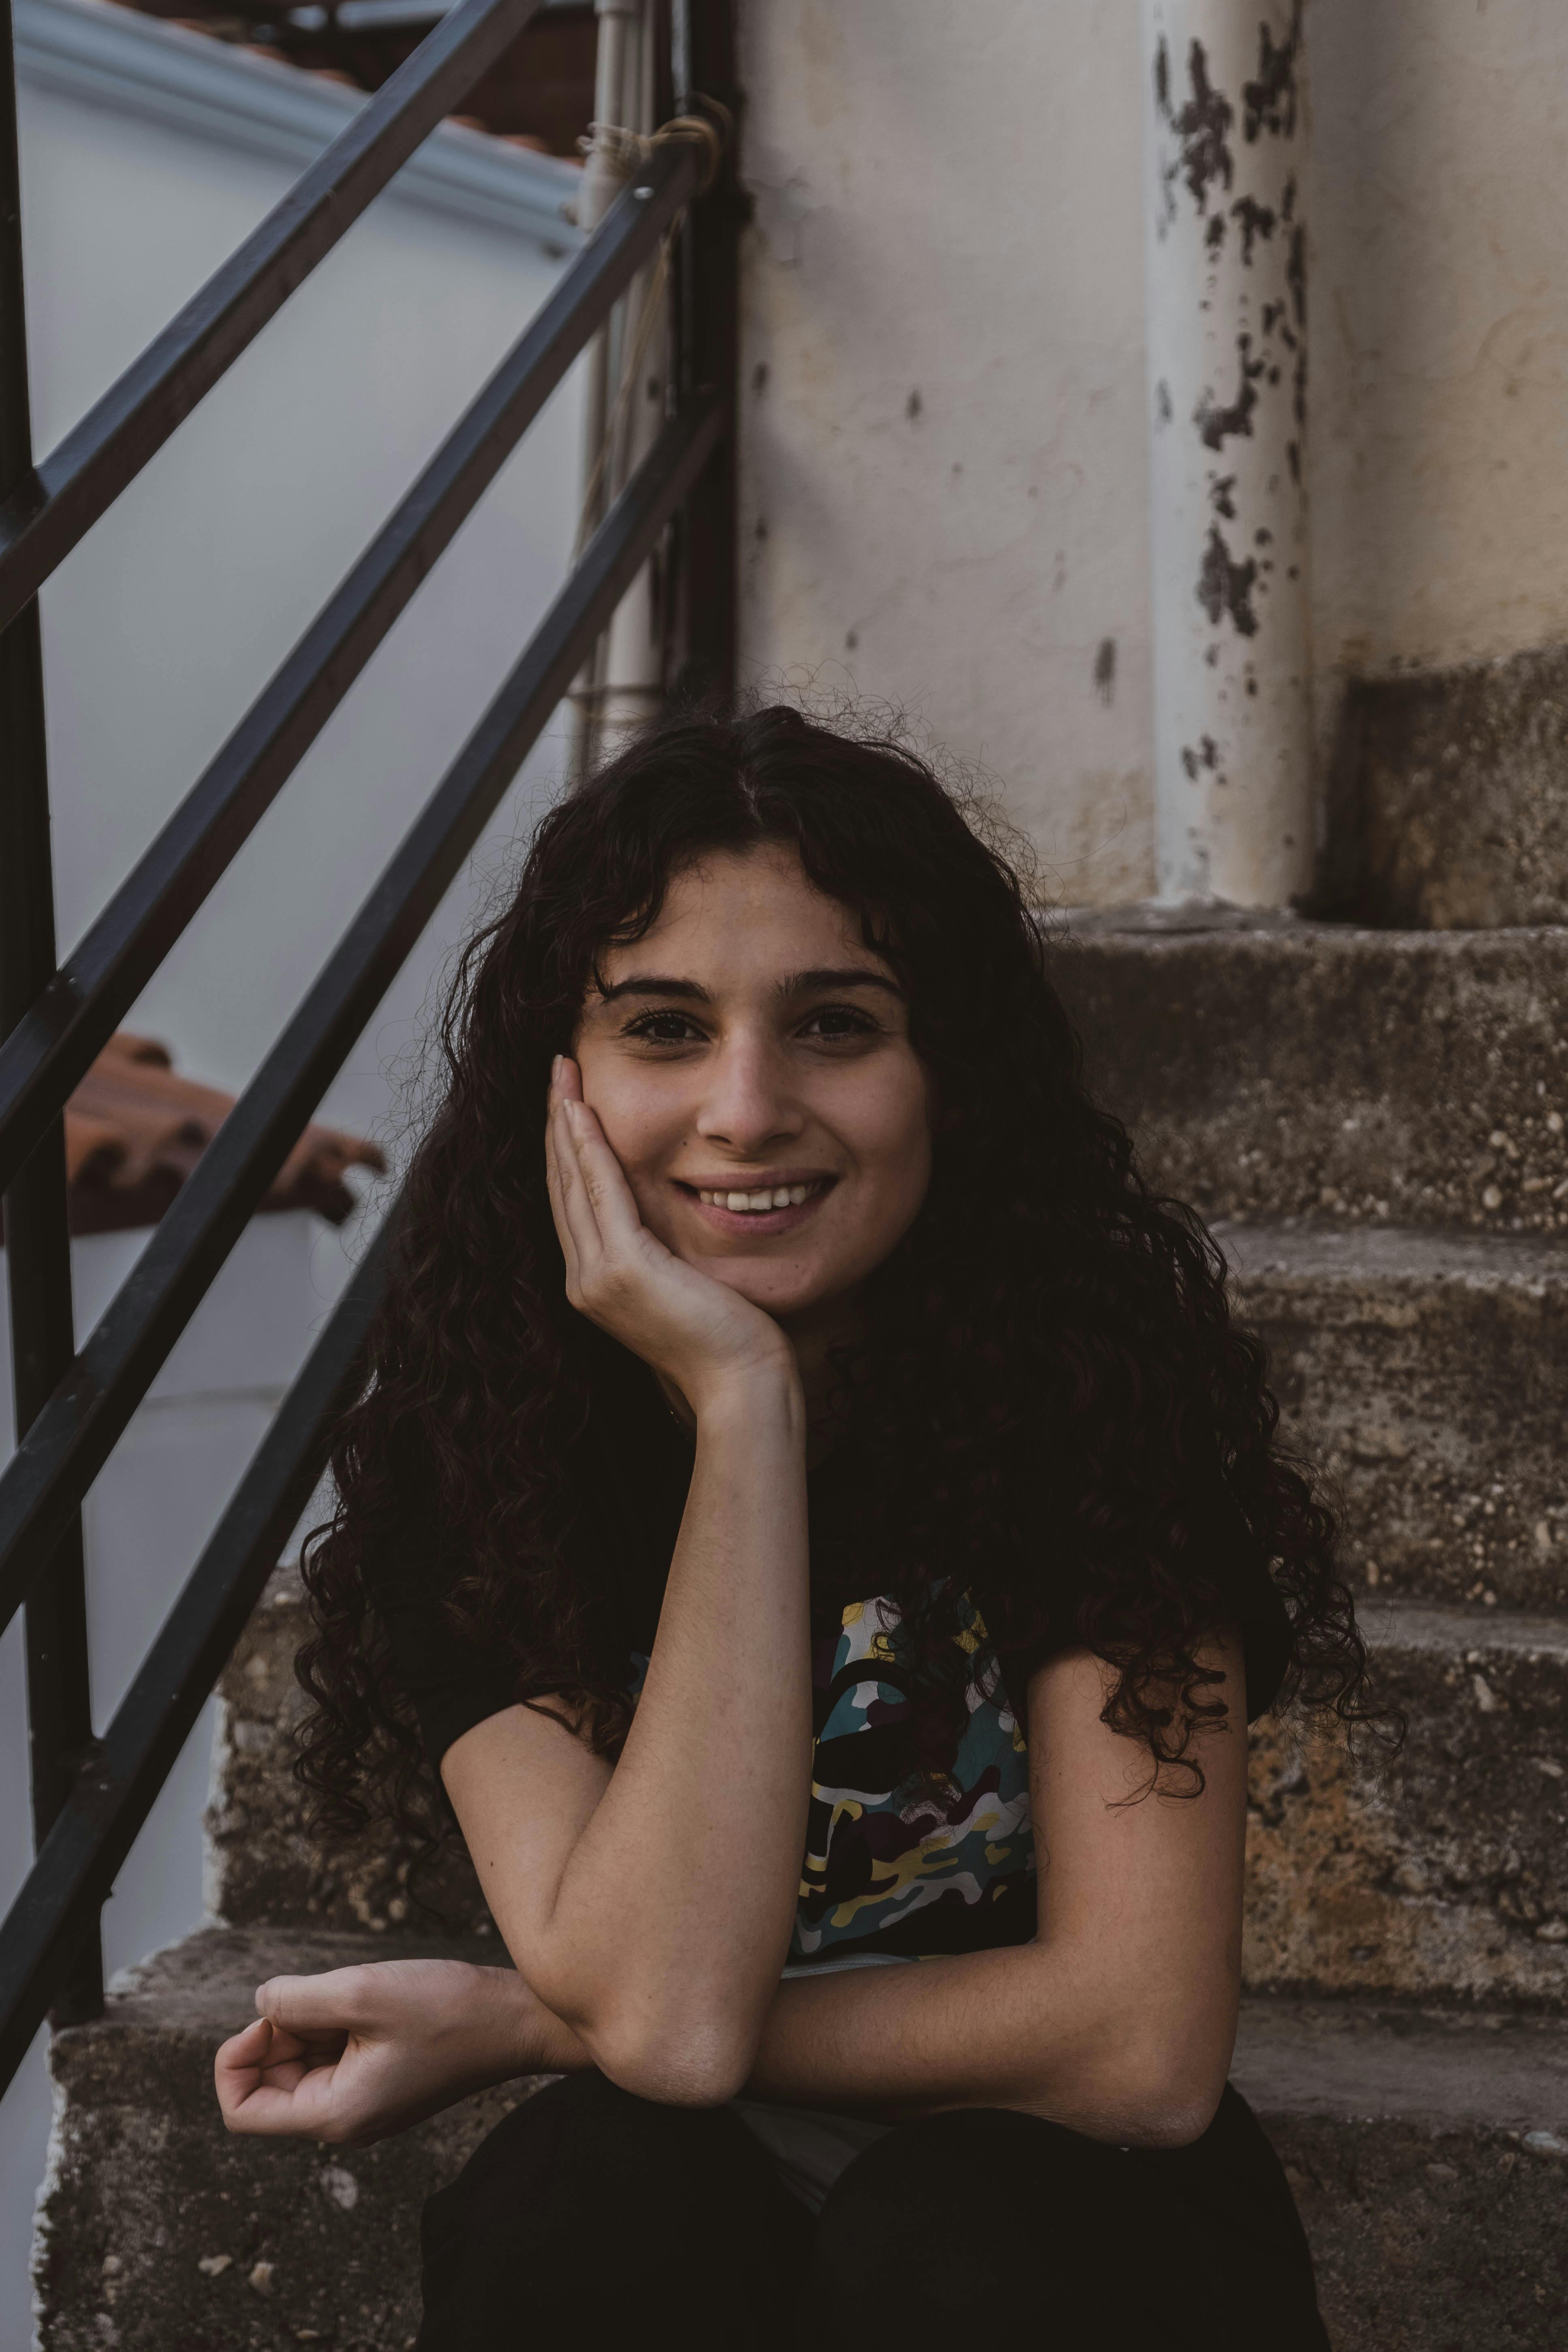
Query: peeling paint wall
(943,448)
(1439,401)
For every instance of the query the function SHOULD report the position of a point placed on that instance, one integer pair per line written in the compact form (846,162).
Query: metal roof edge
(113,56)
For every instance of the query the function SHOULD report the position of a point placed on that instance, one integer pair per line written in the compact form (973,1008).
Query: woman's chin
(785,1292)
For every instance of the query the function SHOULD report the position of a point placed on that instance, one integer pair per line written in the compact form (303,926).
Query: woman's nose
(749,1104)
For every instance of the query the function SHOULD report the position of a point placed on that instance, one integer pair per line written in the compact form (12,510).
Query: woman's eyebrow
(652,984)
(849,975)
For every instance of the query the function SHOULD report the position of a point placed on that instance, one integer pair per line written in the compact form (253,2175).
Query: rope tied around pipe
(614,156)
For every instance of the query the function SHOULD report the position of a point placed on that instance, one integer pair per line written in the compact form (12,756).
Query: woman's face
(750,1066)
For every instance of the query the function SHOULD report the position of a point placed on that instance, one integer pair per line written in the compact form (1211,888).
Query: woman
(824,1446)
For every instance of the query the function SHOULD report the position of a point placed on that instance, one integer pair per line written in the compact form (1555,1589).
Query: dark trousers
(591,2219)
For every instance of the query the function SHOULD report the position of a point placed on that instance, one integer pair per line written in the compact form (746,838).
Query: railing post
(37,1240)
(705,625)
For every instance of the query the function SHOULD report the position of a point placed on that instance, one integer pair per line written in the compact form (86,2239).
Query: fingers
(310,2007)
(266,2087)
(609,1195)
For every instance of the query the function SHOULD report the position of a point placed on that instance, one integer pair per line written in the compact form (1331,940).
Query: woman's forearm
(1050,2030)
(659,1927)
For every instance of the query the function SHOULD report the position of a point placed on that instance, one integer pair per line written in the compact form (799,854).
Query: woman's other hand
(694,1330)
(358,2053)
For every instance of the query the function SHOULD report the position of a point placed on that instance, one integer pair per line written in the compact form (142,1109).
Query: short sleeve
(450,1682)
(1223,1554)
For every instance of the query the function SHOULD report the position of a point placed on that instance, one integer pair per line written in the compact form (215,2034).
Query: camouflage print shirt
(890,1866)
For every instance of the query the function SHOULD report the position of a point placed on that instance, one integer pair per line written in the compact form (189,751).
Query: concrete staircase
(1374,1121)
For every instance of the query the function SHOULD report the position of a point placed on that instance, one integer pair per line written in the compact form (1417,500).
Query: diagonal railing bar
(51,1048)
(74,1873)
(45,517)
(71,1437)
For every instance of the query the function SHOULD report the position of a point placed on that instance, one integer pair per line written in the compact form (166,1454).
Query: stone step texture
(159,2232)
(1427,1374)
(1449,805)
(1292,1069)
(1443,1872)
(265,1864)
(1430,2155)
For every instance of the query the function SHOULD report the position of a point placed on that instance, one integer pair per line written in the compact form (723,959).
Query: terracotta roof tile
(134,1130)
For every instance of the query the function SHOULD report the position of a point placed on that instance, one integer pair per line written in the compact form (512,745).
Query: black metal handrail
(58,502)
(122,1775)
(91,1797)
(70,1438)
(52,1046)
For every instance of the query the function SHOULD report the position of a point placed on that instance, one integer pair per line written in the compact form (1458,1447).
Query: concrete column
(1225,147)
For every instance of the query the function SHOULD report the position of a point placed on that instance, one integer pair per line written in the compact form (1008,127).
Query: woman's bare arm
(1120,2019)
(650,1907)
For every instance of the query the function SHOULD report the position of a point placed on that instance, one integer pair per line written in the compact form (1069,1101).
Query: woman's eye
(833,1021)
(664,1029)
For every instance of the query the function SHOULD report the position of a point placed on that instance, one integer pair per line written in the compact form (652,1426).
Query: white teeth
(782,1196)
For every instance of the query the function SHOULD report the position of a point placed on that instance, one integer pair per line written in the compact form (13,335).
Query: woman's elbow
(673,2062)
(1167,2103)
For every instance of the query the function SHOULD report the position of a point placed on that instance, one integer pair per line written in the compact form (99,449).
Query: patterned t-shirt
(892,1868)
(886,1857)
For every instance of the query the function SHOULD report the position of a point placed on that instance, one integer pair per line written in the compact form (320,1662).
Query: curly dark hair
(1049,1373)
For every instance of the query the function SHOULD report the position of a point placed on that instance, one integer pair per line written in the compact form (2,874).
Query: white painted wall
(944,467)
(1440,329)
(949,203)
(159,630)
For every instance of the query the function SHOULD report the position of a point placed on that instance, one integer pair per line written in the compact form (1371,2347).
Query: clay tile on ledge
(135,1128)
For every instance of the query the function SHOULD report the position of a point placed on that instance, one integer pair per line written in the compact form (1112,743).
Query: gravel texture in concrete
(267,1864)
(1427,1374)
(1429,2156)
(1376,1077)
(1449,796)
(159,2232)
(1445,1870)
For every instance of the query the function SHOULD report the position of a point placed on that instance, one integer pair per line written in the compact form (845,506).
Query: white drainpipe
(1224,145)
(619,689)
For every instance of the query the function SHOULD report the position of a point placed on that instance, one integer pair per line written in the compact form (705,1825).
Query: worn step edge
(1312,1254)
(1426,2150)
(1376,2061)
(1266,1071)
(1453,1629)
(1425,1373)
(158,2231)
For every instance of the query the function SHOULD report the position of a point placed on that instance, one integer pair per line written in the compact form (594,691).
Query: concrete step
(1292,1068)
(160,2233)
(265,1864)
(1429,2153)
(1444,1874)
(1428,1374)
(1447,804)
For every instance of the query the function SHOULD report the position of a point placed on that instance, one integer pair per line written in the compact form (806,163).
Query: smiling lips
(765,1200)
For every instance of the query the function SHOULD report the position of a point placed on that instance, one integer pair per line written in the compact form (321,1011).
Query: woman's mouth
(756,1204)
(759,1209)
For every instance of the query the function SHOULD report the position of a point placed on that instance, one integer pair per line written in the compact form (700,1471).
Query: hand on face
(696,1331)
(748,1060)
